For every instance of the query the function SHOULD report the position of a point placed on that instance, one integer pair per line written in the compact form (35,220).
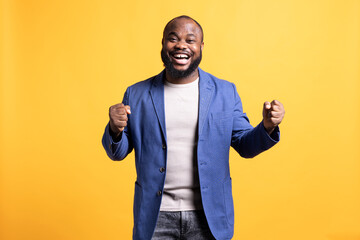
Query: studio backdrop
(65,62)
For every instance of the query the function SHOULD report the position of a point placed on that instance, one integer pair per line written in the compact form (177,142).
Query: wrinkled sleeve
(120,149)
(247,140)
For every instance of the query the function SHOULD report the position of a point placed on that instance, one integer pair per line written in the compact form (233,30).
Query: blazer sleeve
(247,140)
(120,149)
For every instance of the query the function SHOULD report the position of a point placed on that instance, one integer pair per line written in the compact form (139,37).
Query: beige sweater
(181,190)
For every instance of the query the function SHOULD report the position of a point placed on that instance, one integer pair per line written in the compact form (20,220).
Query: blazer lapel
(206,90)
(157,96)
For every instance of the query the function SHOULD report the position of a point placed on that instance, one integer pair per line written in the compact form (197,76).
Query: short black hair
(187,17)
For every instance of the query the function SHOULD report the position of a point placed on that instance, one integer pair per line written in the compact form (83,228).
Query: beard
(176,74)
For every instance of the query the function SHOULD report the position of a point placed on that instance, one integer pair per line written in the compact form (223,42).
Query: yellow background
(63,63)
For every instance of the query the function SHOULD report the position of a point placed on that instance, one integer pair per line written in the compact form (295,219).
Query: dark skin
(182,36)
(118,119)
(183,42)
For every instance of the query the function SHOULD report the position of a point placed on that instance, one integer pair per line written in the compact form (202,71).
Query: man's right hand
(118,118)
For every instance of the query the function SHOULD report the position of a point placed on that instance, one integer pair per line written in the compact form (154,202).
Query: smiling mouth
(180,58)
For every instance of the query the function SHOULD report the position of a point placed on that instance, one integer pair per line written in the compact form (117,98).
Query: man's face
(182,47)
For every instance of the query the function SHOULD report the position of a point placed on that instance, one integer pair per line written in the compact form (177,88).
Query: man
(181,124)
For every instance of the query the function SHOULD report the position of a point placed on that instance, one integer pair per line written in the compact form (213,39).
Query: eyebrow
(174,33)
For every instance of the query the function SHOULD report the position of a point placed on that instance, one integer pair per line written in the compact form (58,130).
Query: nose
(181,45)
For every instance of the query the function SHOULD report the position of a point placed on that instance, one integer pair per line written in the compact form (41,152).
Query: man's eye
(172,39)
(191,41)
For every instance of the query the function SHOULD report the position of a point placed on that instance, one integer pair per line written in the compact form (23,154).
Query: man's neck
(192,77)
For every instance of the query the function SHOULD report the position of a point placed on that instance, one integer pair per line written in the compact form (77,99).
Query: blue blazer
(221,124)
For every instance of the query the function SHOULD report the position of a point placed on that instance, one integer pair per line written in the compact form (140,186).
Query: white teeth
(181,56)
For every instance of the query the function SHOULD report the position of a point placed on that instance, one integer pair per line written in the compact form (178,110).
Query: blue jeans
(184,225)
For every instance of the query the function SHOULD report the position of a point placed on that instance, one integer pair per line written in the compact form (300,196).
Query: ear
(162,42)
(202,46)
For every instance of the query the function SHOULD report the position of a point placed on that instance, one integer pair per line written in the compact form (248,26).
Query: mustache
(178,73)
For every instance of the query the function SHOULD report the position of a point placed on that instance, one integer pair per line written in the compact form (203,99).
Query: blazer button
(162,170)
(163,146)
(159,193)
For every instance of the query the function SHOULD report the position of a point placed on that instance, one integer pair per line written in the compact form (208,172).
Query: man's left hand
(273,114)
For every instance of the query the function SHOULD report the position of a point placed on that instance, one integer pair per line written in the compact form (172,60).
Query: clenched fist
(118,118)
(273,114)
